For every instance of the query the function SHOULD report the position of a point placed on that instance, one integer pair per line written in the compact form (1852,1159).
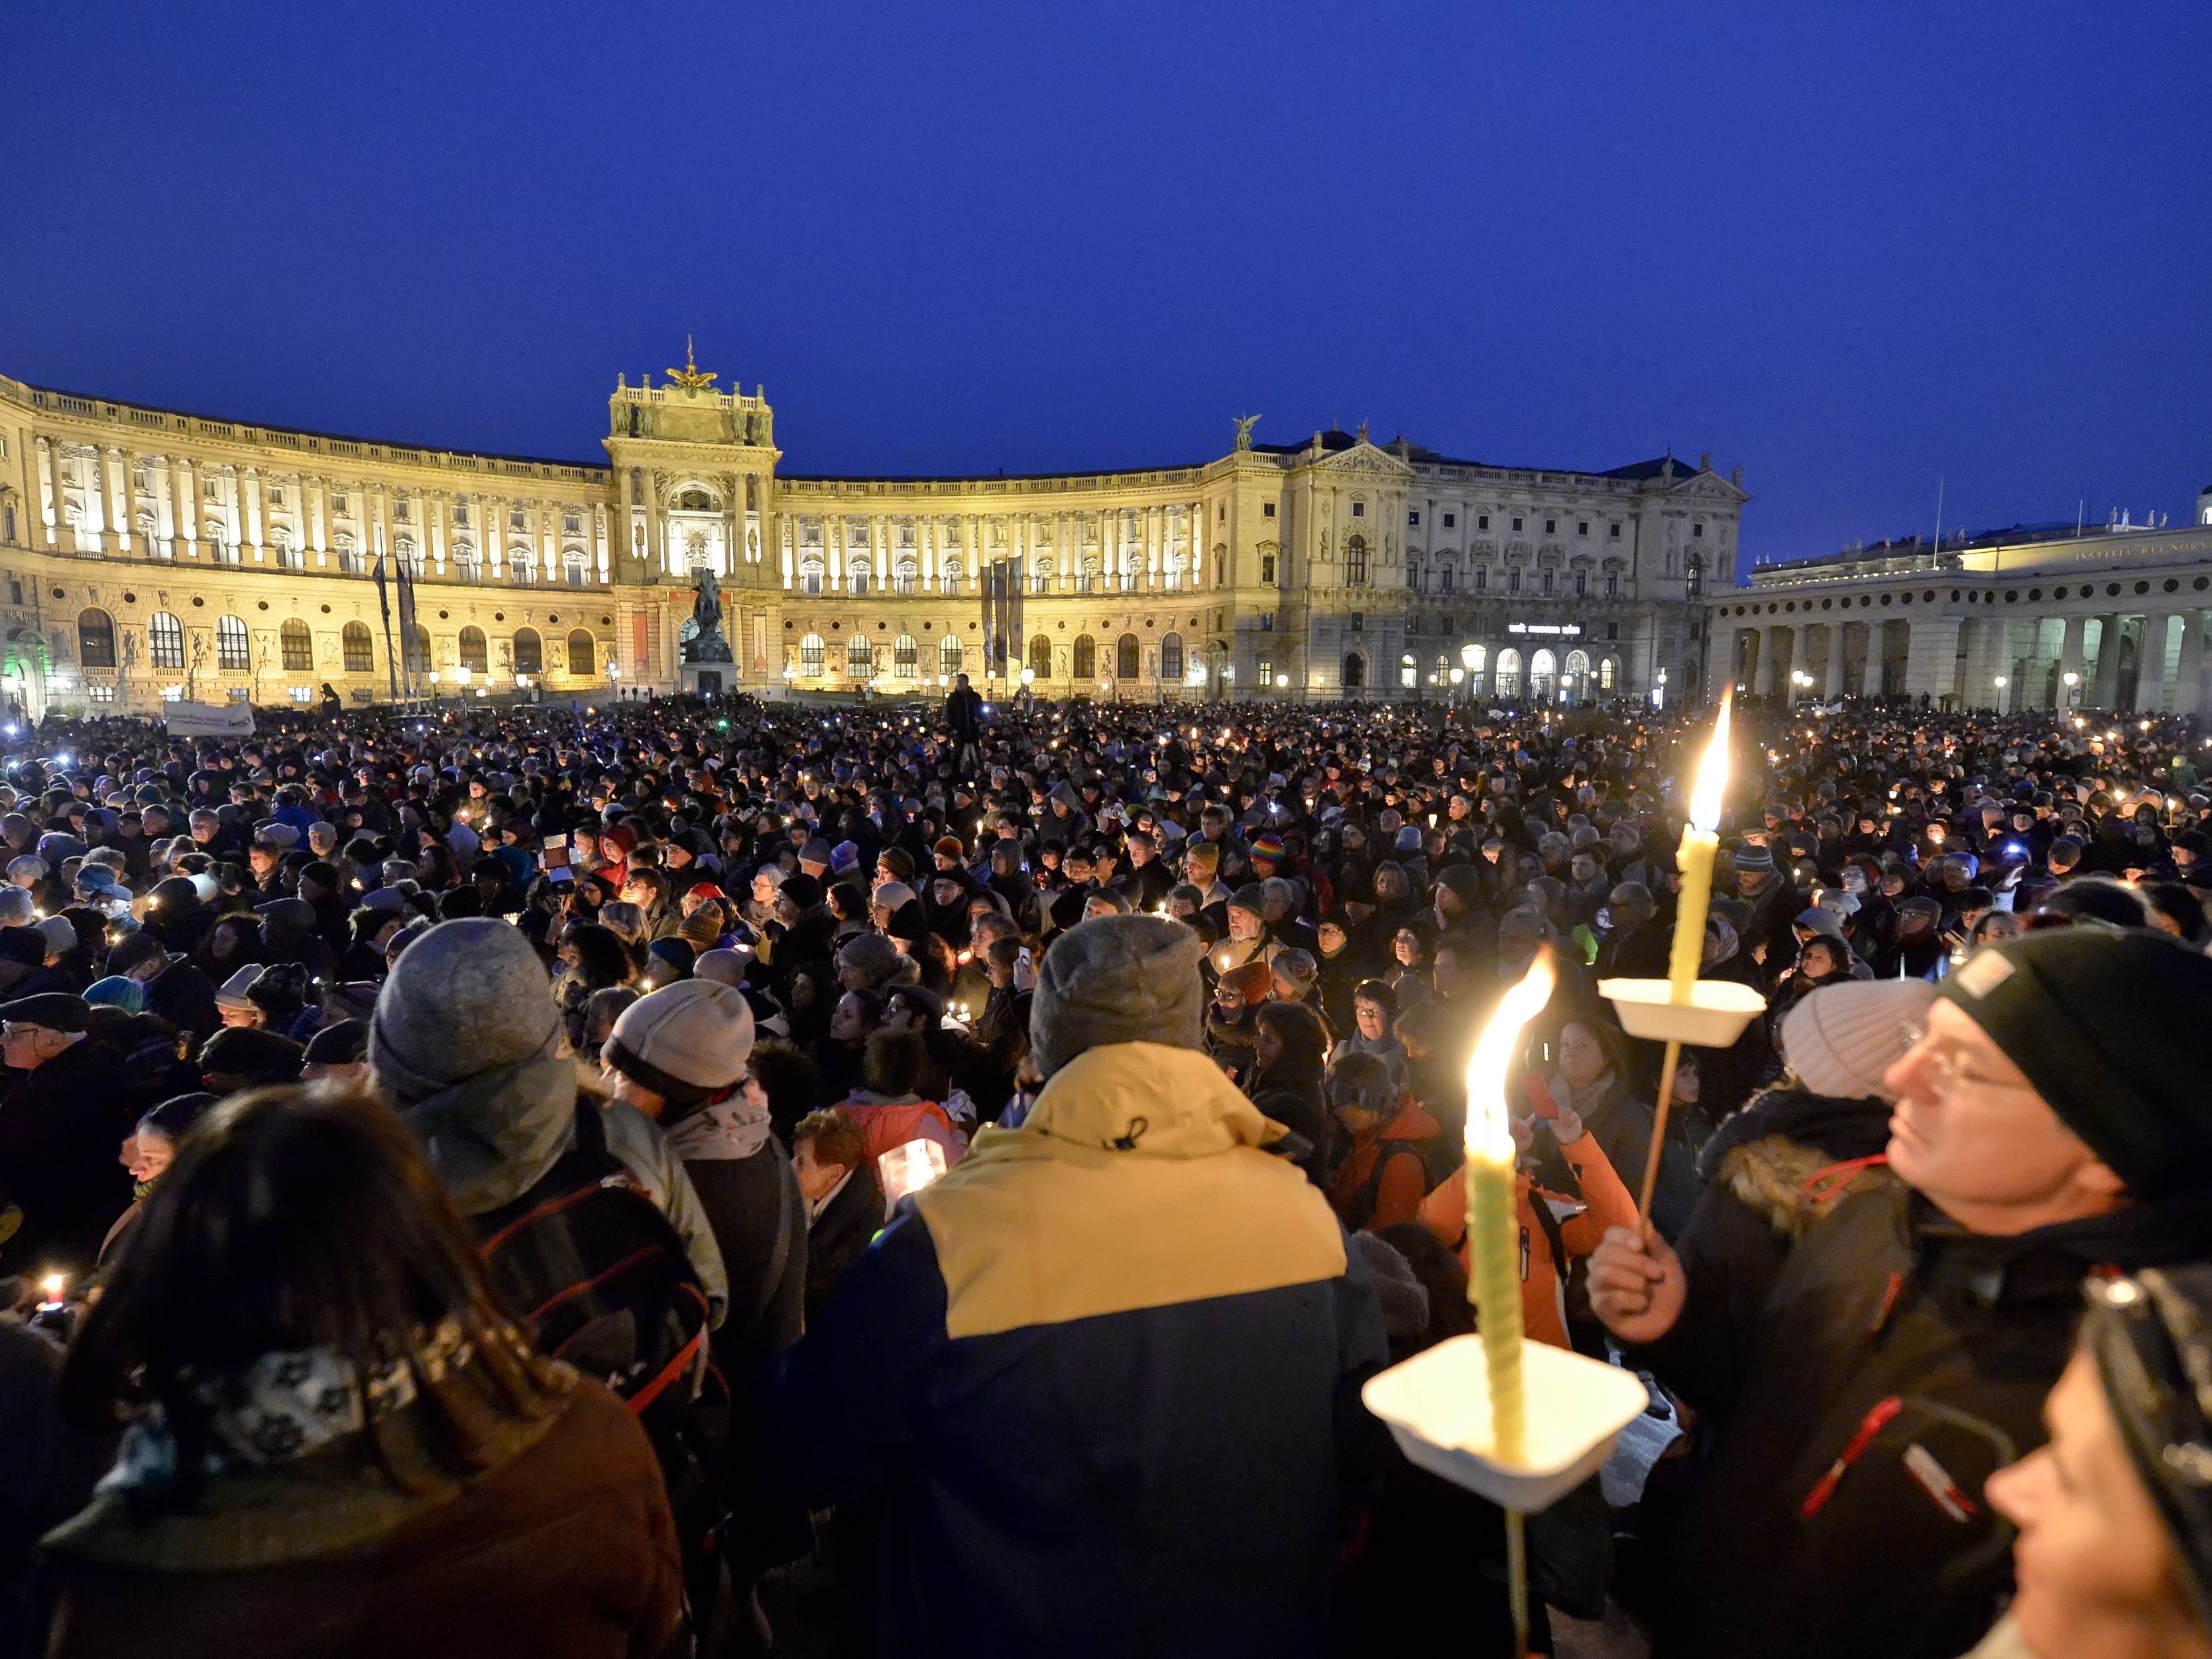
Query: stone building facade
(147,554)
(2110,618)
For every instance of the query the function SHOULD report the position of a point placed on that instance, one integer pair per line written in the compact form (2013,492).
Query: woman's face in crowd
(1817,960)
(1268,1047)
(147,1155)
(1368,1018)
(2096,1573)
(816,1179)
(849,1023)
(1582,1061)
(1389,884)
(1408,946)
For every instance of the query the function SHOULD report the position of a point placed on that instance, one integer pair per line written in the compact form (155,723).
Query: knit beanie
(1116,979)
(871,954)
(117,991)
(685,1042)
(1841,1039)
(1758,859)
(2108,1025)
(1252,896)
(469,997)
(1252,980)
(701,927)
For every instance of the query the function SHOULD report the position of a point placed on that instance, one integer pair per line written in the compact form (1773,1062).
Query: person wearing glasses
(2052,1119)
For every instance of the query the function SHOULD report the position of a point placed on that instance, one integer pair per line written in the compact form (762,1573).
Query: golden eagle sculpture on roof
(691,377)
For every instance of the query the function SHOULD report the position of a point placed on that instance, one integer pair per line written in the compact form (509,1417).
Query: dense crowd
(546,1180)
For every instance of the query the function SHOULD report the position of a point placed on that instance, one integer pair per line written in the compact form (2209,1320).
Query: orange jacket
(1543,1292)
(1405,1177)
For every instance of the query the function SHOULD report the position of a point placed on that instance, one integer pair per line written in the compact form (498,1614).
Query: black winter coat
(1898,1362)
(60,1132)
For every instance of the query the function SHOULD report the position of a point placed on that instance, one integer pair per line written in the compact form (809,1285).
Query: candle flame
(1495,1051)
(53,1285)
(1712,774)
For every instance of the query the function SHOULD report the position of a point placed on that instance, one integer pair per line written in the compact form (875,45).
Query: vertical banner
(410,672)
(384,605)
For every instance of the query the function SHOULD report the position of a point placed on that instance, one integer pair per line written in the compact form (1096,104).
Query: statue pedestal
(706,680)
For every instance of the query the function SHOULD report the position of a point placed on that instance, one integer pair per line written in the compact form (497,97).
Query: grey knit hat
(468,997)
(871,954)
(1116,979)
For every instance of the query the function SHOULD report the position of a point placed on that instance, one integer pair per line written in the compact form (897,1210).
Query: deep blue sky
(1846,248)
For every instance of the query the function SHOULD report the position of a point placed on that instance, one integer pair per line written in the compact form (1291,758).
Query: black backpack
(605,1282)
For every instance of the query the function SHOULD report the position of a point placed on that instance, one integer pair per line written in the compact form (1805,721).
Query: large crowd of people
(704,1177)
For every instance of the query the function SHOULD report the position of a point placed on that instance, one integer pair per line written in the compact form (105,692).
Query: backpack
(604,1279)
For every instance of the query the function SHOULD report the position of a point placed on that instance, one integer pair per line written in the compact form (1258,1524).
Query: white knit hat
(695,1033)
(1842,1037)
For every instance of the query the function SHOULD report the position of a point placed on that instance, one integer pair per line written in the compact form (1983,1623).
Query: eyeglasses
(1951,1072)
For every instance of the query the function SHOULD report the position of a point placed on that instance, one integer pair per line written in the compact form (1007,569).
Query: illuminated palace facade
(147,554)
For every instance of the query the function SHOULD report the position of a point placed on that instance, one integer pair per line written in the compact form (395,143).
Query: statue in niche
(707,643)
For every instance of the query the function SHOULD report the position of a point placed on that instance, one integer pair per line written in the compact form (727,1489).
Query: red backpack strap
(1826,1186)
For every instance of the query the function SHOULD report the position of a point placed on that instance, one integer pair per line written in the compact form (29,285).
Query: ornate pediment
(1364,460)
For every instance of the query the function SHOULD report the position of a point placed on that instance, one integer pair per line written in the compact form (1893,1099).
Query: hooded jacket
(494,1136)
(1104,1376)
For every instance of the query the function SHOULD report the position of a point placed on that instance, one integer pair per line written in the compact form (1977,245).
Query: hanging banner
(209,720)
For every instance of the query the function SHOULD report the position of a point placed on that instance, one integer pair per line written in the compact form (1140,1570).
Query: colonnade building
(147,554)
(2109,617)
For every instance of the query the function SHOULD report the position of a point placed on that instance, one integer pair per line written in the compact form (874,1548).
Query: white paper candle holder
(1713,1017)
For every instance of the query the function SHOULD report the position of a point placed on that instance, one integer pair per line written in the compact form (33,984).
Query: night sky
(1848,249)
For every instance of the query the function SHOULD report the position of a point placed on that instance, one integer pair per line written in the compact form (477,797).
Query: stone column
(2150,663)
(2188,677)
(1833,687)
(188,507)
(2071,646)
(163,541)
(120,496)
(2107,693)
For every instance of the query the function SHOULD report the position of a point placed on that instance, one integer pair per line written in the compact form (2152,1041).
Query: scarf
(282,1407)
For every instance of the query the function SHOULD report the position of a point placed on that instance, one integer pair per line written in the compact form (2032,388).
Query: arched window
(860,656)
(948,655)
(529,652)
(1355,560)
(297,645)
(906,656)
(1041,656)
(1355,672)
(1608,674)
(95,639)
(476,655)
(1543,673)
(165,639)
(1409,672)
(583,653)
(1171,656)
(1086,657)
(810,655)
(233,654)
(360,649)
(417,641)
(1128,660)
(1508,674)
(1578,681)
(1694,576)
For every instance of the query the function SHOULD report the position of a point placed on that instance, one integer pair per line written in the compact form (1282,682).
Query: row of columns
(1963,658)
(1144,549)
(237,519)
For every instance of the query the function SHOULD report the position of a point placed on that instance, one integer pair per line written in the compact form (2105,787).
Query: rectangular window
(1547,584)
(1482,521)
(1516,524)
(1359,509)
(303,694)
(1582,527)
(100,693)
(1357,622)
(1266,509)
(1613,584)
(276,496)
(1613,531)
(1513,580)
(1696,529)
(1481,578)
(461,514)
(338,502)
(1267,567)
(1450,519)
(1582,583)
(1267,671)
(1612,631)
(1551,526)
(1412,518)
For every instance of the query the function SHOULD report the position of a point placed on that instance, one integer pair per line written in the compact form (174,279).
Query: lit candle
(1493,1206)
(1701,842)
